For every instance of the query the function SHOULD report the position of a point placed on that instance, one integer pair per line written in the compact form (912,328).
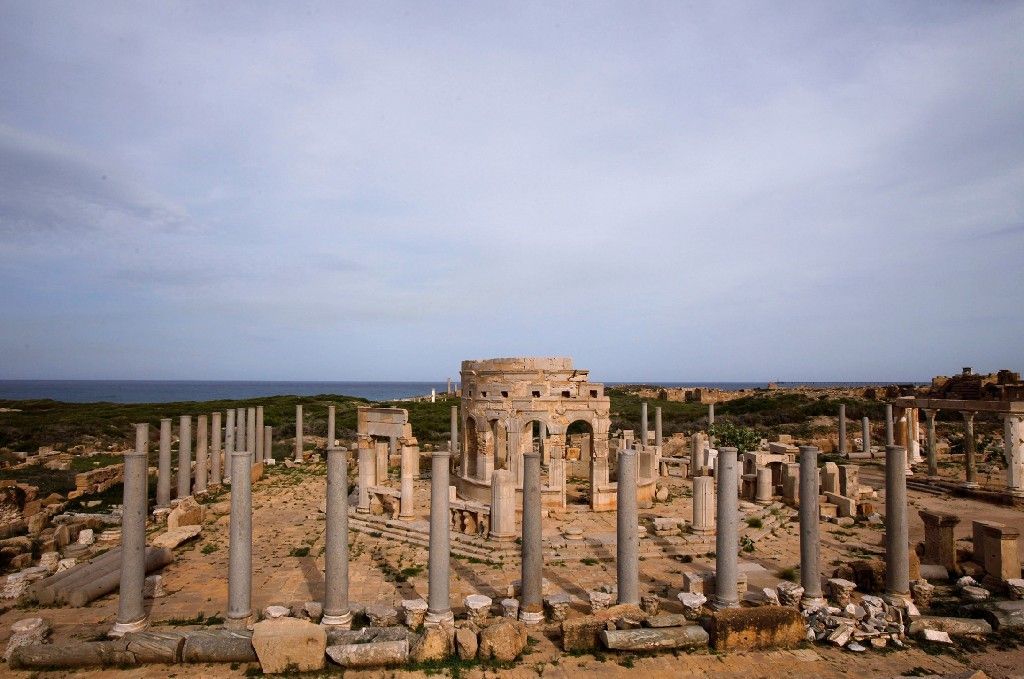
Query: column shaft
(240,541)
(261,454)
(727,539)
(250,433)
(439,608)
(163,478)
(202,454)
(658,439)
(268,443)
(643,424)
(336,608)
(842,429)
(865,433)
(627,540)
(531,608)
(215,448)
(933,453)
(810,568)
(972,471)
(131,614)
(897,564)
(241,430)
(184,456)
(298,433)
(890,438)
(330,427)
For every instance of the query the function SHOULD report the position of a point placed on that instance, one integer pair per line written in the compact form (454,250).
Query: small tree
(744,439)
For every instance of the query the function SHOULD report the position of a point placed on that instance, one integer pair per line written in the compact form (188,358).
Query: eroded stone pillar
(503,506)
(268,443)
(1013,441)
(890,436)
(202,454)
(298,433)
(703,505)
(897,564)
(230,434)
(531,608)
(250,434)
(727,539)
(933,453)
(696,454)
(410,463)
(336,608)
(658,439)
(366,472)
(969,450)
(240,430)
(184,456)
(330,427)
(454,426)
(842,429)
(215,448)
(240,541)
(865,433)
(763,487)
(439,610)
(643,423)
(261,454)
(711,414)
(131,614)
(810,545)
(627,540)
(914,436)
(163,478)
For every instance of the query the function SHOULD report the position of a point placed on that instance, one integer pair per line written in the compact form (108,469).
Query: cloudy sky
(673,191)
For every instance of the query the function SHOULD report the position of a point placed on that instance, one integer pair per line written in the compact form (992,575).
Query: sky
(661,190)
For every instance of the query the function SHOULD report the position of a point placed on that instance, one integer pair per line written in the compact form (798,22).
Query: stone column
(696,453)
(842,429)
(131,615)
(933,455)
(711,414)
(897,564)
(542,431)
(330,427)
(627,539)
(865,433)
(336,609)
(658,440)
(240,542)
(643,423)
(763,486)
(230,436)
(366,464)
(260,453)
(503,506)
(241,430)
(215,448)
(1013,440)
(410,462)
(531,607)
(890,437)
(298,433)
(703,505)
(969,449)
(439,609)
(268,443)
(455,448)
(250,433)
(184,456)
(810,545)
(727,540)
(163,478)
(913,436)
(202,454)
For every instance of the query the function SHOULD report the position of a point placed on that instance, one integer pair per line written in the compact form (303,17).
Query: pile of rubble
(872,622)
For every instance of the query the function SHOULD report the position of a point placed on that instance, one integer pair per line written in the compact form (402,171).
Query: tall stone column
(184,456)
(969,451)
(711,414)
(261,454)
(336,608)
(241,429)
(933,453)
(250,434)
(865,433)
(268,443)
(163,478)
(1013,440)
(643,423)
(842,429)
(230,436)
(727,539)
(365,473)
(202,454)
(131,614)
(627,540)
(658,440)
(810,545)
(298,433)
(330,427)
(410,462)
(240,542)
(439,608)
(503,506)
(545,454)
(454,425)
(703,505)
(531,608)
(890,437)
(913,436)
(215,448)
(897,564)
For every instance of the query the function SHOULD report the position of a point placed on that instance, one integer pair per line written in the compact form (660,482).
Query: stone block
(371,654)
(746,629)
(503,641)
(289,645)
(173,538)
(649,639)
(188,512)
(582,633)
(939,542)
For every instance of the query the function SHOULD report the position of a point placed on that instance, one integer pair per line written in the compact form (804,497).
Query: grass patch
(755,522)
(299,551)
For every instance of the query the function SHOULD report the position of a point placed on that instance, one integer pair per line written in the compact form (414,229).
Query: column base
(121,628)
(238,623)
(410,517)
(441,618)
(720,605)
(344,621)
(502,538)
(531,617)
(812,603)
(1015,492)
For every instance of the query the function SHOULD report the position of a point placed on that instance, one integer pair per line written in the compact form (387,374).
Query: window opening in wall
(565,394)
(504,394)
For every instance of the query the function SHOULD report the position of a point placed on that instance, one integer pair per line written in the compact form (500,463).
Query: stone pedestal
(184,456)
(531,609)
(763,487)
(897,564)
(727,539)
(503,506)
(439,610)
(939,542)
(131,615)
(849,481)
(995,548)
(810,545)
(336,607)
(163,478)
(240,542)
(627,541)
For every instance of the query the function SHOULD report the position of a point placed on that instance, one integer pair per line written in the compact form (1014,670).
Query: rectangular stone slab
(654,639)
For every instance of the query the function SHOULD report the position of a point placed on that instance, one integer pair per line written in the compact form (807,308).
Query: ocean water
(166,391)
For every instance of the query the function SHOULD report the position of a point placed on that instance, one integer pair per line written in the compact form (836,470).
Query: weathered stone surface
(382,615)
(466,642)
(510,608)
(289,644)
(503,641)
(153,587)
(936,636)
(414,611)
(689,636)
(789,593)
(188,512)
(478,607)
(218,646)
(1003,614)
(650,603)
(342,637)
(26,632)
(176,537)
(1015,588)
(955,626)
(274,612)
(667,620)
(744,629)
(372,654)
(436,643)
(921,592)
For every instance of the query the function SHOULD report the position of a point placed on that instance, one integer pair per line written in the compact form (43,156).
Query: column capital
(968,415)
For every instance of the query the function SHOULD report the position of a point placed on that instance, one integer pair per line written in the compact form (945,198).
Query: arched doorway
(579,455)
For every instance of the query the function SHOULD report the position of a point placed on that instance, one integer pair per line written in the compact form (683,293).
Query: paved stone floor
(288,523)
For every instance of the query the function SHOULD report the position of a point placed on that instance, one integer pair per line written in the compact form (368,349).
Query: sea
(169,391)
